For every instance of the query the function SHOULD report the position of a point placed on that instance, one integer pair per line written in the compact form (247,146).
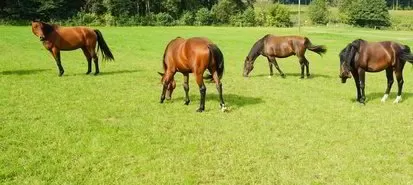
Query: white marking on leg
(384,98)
(270,76)
(398,99)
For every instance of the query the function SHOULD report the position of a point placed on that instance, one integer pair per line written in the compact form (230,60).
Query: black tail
(217,55)
(405,54)
(106,53)
(321,49)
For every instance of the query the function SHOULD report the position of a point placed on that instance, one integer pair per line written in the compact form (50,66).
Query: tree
(370,13)
(318,12)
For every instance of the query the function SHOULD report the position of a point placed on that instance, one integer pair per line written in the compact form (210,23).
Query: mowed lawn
(111,128)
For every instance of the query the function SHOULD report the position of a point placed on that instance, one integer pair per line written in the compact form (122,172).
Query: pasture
(111,128)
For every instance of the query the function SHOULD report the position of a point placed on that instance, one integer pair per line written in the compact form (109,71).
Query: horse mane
(47,28)
(257,48)
(349,52)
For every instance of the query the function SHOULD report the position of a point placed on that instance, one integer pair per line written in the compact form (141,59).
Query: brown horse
(273,47)
(56,38)
(193,55)
(361,56)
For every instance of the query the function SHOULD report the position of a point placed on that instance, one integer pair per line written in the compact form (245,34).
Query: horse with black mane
(272,47)
(361,56)
(193,55)
(58,38)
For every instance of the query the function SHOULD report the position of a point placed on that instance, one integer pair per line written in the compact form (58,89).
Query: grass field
(111,129)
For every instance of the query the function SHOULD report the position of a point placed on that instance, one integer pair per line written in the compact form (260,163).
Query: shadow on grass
(23,72)
(233,100)
(376,96)
(392,96)
(118,72)
(277,75)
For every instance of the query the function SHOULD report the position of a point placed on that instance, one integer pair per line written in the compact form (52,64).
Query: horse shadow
(23,72)
(392,96)
(233,100)
(118,72)
(312,75)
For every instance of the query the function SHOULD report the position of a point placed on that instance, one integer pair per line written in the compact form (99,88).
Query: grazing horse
(273,47)
(58,38)
(193,55)
(361,56)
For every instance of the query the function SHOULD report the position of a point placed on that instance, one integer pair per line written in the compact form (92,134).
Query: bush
(318,12)
(203,17)
(188,18)
(164,19)
(223,10)
(278,15)
(83,18)
(247,18)
(370,13)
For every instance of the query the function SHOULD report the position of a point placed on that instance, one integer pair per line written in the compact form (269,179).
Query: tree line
(181,12)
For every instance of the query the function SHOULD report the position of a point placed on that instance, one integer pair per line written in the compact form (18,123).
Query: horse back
(187,55)
(70,38)
(377,56)
(283,46)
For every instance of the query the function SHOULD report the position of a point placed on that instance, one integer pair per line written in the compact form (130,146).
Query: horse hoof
(270,76)
(61,74)
(187,102)
(88,72)
(96,73)
(397,100)
(283,75)
(224,109)
(200,110)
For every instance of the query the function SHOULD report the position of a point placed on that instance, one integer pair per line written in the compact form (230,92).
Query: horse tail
(405,54)
(319,49)
(217,55)
(106,53)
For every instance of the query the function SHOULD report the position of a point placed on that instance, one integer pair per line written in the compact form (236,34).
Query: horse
(361,56)
(272,47)
(58,38)
(192,55)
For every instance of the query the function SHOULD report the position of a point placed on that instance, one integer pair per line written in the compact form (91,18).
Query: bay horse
(193,55)
(272,47)
(58,38)
(361,56)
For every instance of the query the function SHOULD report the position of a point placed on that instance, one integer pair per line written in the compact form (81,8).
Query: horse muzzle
(42,38)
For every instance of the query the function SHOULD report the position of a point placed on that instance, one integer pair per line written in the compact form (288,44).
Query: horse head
(347,63)
(41,29)
(170,87)
(248,66)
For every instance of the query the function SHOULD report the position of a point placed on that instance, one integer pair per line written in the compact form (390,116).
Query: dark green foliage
(224,10)
(278,15)
(247,18)
(164,19)
(203,17)
(188,18)
(318,12)
(370,13)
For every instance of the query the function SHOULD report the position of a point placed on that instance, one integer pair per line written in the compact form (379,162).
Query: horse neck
(256,50)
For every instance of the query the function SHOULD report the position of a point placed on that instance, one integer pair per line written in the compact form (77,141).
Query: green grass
(111,129)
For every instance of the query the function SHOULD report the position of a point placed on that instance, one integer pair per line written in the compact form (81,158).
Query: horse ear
(160,73)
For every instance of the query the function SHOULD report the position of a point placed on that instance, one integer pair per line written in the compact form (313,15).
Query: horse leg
(202,90)
(186,88)
(274,62)
(270,65)
(89,60)
(219,88)
(96,61)
(362,75)
(307,67)
(56,55)
(390,80)
(357,82)
(302,64)
(166,80)
(400,81)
